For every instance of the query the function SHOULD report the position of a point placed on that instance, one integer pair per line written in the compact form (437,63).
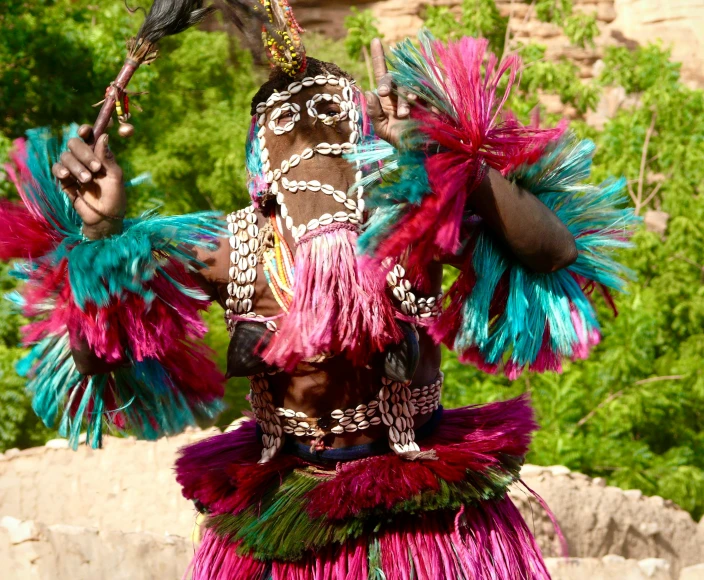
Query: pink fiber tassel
(338,307)
(217,559)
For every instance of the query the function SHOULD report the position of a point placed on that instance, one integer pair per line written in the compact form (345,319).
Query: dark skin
(526,227)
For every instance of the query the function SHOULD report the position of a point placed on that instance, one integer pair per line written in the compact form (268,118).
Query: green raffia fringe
(279,527)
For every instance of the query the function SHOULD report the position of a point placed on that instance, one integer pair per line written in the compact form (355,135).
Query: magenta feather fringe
(338,307)
(222,472)
(479,135)
(23,237)
(217,559)
(487,542)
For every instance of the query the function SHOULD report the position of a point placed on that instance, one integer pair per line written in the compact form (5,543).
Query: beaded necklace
(278,269)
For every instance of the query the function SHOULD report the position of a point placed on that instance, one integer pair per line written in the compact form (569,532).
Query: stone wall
(31,551)
(119,510)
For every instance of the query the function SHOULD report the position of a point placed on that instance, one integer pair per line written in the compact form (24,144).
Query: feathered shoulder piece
(498,314)
(131,298)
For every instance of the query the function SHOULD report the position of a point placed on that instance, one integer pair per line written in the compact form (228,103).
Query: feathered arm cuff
(131,298)
(498,315)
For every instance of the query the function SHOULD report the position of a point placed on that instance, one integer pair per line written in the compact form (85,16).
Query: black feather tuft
(169,17)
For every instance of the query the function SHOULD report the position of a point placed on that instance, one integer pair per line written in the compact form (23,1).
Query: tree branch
(601,405)
(644,163)
(658,379)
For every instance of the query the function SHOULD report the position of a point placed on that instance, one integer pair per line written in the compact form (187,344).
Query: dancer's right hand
(93,181)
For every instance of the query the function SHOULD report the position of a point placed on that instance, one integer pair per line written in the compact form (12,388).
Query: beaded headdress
(282,38)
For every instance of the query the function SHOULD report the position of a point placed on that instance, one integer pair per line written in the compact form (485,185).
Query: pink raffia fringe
(480,134)
(486,540)
(337,305)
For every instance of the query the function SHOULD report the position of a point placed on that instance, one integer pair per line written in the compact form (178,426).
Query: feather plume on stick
(166,18)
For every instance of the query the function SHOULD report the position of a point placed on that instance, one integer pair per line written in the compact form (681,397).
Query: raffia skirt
(364,513)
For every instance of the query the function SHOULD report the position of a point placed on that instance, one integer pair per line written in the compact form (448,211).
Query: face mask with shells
(281,117)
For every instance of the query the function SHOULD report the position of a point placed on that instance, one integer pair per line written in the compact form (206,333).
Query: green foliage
(361,30)
(191,136)
(560,78)
(556,11)
(477,18)
(639,70)
(581,29)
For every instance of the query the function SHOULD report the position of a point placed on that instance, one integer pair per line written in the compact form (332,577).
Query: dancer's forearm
(531,231)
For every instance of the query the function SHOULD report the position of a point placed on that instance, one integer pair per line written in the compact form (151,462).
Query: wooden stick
(117,88)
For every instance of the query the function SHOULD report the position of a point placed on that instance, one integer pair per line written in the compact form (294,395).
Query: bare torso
(318,388)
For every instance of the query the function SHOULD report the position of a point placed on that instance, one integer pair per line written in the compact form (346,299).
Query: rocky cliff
(118,513)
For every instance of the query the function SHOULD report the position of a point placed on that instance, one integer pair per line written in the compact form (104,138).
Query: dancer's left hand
(390,108)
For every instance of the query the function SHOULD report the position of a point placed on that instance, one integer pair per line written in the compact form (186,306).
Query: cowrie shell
(295,160)
(339,196)
(325,219)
